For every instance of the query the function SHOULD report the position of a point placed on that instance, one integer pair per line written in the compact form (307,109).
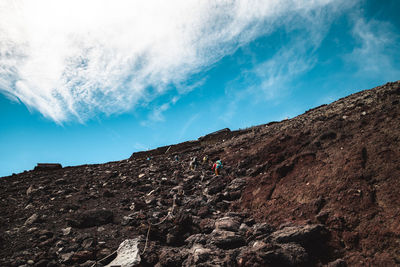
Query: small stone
(66,257)
(46,233)
(126,220)
(29,190)
(32,219)
(200,254)
(243,228)
(66,231)
(87,243)
(29,206)
(258,244)
(30,262)
(141,175)
(31,230)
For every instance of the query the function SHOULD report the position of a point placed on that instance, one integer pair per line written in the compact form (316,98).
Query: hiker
(217,167)
(205,159)
(176,158)
(193,163)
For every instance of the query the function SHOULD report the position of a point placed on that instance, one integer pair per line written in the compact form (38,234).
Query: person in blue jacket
(217,167)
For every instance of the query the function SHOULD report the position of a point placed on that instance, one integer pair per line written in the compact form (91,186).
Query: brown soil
(336,166)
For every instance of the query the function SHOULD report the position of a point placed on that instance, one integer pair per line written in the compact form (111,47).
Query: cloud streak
(71,60)
(377,50)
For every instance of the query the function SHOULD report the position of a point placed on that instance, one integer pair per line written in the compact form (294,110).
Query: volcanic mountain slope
(320,189)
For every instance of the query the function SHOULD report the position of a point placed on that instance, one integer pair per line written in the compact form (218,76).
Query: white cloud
(274,75)
(272,79)
(157,114)
(72,59)
(378,49)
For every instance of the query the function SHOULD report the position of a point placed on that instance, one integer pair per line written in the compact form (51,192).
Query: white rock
(66,231)
(258,244)
(127,254)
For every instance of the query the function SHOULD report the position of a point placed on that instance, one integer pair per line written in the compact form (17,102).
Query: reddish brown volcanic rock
(320,189)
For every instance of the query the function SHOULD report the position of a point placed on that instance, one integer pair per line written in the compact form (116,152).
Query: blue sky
(91,82)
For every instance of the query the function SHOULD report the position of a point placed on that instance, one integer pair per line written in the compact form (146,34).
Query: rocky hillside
(321,189)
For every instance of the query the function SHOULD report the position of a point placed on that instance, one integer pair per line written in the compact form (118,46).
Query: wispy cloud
(73,59)
(157,114)
(377,51)
(274,78)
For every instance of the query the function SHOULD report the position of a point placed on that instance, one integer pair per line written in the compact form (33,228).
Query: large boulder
(226,239)
(227,223)
(304,235)
(199,254)
(262,254)
(127,254)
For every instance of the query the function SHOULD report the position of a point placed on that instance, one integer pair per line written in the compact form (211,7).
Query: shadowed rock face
(319,189)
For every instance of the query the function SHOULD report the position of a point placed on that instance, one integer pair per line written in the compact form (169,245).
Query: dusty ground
(318,189)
